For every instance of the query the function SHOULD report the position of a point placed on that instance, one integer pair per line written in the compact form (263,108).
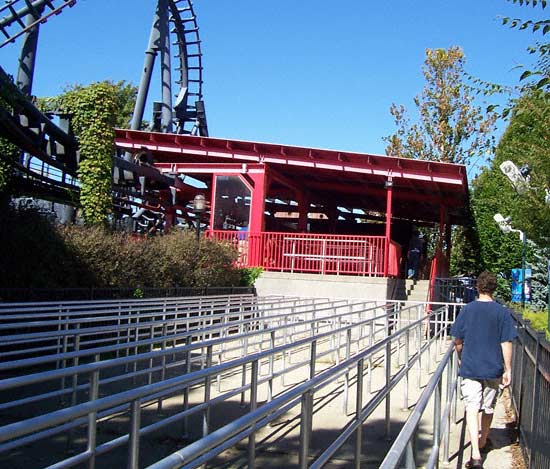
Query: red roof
(351,180)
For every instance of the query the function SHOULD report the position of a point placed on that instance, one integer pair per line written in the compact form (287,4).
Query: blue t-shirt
(483,326)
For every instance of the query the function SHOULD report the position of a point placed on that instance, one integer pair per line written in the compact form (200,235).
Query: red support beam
(389,195)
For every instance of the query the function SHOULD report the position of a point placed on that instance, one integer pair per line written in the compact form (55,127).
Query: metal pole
(150,55)
(133,444)
(524,245)
(253,404)
(27,59)
(358,409)
(305,428)
(548,303)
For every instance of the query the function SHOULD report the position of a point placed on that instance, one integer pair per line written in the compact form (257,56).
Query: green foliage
(35,254)
(96,109)
(466,257)
(249,275)
(535,79)
(525,141)
(539,279)
(539,320)
(450,128)
(93,118)
(8,151)
(138,293)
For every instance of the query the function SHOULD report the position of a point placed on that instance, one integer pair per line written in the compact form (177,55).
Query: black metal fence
(80,294)
(454,290)
(531,393)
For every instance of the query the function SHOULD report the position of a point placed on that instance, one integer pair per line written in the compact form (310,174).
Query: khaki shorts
(480,394)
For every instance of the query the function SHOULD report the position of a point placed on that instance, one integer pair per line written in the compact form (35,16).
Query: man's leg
(486,420)
(472,422)
(472,392)
(490,395)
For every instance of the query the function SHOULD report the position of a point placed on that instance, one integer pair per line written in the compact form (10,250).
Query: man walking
(483,334)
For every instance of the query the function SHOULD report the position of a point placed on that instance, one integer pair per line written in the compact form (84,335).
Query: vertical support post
(389,196)
(437,417)
(257,208)
(388,379)
(150,55)
(253,405)
(133,443)
(92,422)
(27,59)
(346,376)
(358,408)
(166,70)
(523,254)
(207,385)
(305,428)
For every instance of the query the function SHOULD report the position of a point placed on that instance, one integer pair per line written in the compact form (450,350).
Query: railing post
(388,379)
(188,342)
(271,368)
(253,404)
(133,443)
(92,422)
(346,376)
(358,408)
(305,428)
(437,417)
(407,367)
(312,358)
(207,385)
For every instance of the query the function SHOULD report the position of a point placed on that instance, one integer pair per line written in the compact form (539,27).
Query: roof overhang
(356,180)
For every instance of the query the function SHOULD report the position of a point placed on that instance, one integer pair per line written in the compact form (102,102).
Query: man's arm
(459,344)
(507,355)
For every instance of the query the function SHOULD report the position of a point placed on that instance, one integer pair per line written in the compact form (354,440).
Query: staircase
(412,290)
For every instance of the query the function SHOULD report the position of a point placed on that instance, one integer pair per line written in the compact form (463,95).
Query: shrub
(36,254)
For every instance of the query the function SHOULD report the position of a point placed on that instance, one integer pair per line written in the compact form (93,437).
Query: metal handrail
(135,322)
(75,371)
(403,446)
(200,451)
(42,422)
(125,329)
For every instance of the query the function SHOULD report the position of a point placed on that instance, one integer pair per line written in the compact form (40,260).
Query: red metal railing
(314,253)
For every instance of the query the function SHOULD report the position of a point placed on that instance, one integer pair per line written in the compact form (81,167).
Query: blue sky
(312,73)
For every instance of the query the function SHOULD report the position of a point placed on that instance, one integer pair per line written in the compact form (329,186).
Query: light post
(506,227)
(521,181)
(199,207)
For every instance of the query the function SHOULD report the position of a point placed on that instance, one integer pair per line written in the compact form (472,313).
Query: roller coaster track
(187,39)
(14,12)
(23,124)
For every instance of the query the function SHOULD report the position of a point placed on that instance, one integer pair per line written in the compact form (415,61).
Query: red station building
(295,209)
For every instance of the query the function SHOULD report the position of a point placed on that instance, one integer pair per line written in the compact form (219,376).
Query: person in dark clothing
(483,333)
(416,248)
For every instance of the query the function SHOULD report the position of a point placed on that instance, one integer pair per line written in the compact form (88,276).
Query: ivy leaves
(94,115)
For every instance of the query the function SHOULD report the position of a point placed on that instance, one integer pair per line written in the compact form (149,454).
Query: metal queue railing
(58,328)
(282,334)
(231,328)
(285,322)
(203,450)
(444,400)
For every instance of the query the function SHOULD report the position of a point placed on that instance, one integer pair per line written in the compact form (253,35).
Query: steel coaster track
(16,11)
(185,30)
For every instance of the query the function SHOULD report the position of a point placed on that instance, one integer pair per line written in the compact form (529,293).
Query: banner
(517,281)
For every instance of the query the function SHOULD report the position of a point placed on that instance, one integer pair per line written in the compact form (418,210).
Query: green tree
(525,142)
(450,127)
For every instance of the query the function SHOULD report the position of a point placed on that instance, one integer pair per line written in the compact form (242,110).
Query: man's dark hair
(486,283)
